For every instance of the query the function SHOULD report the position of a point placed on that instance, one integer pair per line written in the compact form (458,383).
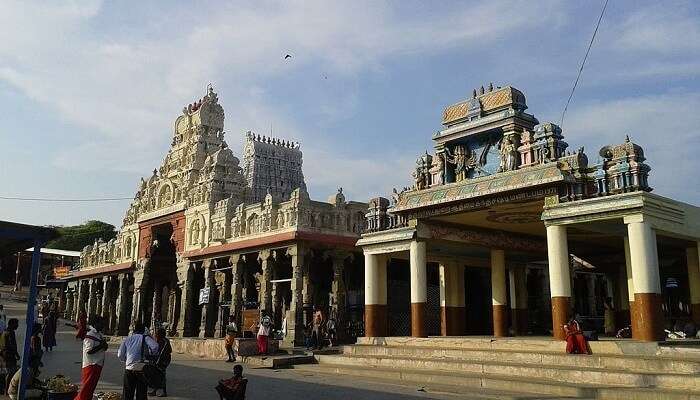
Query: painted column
(559,278)
(694,281)
(452,311)
(518,300)
(498,293)
(295,316)
(419,288)
(206,327)
(376,317)
(185,277)
(630,285)
(622,304)
(647,283)
(265,259)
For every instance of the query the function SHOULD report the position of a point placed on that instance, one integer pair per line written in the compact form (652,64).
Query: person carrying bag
(135,351)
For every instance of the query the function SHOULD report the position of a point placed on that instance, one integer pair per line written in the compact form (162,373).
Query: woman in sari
(576,343)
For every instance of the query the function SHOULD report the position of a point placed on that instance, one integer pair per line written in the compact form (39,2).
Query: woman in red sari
(82,325)
(576,343)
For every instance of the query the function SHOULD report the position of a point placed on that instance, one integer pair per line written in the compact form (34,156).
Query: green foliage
(78,236)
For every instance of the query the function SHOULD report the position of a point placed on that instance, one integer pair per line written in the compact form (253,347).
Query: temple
(206,238)
(504,231)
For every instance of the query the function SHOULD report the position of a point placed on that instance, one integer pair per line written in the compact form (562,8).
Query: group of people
(145,359)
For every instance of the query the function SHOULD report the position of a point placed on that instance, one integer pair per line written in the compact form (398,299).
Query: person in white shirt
(134,352)
(94,349)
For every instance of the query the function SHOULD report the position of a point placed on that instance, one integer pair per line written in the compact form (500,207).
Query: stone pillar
(157,303)
(122,327)
(185,276)
(694,281)
(221,318)
(69,304)
(518,300)
(92,298)
(236,288)
(265,259)
(206,326)
(338,292)
(559,278)
(647,282)
(419,288)
(307,289)
(139,301)
(452,301)
(376,317)
(106,298)
(499,293)
(295,317)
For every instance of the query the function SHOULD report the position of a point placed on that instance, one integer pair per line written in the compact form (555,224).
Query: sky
(90,90)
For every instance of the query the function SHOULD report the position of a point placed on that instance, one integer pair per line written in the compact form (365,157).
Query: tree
(78,236)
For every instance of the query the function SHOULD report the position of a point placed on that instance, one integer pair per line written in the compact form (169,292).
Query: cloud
(665,125)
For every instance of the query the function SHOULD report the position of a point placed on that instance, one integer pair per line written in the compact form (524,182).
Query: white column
(559,278)
(375,279)
(628,266)
(419,284)
(512,279)
(498,278)
(644,258)
(558,258)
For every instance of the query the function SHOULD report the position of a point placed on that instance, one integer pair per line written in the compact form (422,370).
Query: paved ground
(190,378)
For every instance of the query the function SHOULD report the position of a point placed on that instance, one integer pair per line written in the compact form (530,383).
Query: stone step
(631,363)
(644,394)
(596,376)
(538,344)
(498,383)
(277,361)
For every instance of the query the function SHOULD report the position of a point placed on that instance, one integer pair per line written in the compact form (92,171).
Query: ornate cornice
(480,187)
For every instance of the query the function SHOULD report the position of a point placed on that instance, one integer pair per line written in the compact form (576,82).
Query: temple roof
(484,102)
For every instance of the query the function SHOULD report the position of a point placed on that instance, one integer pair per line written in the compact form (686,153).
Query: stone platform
(617,369)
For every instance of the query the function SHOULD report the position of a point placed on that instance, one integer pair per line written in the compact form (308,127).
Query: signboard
(61,272)
(250,318)
(204,296)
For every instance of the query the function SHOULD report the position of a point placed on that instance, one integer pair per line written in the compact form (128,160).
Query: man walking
(94,349)
(134,351)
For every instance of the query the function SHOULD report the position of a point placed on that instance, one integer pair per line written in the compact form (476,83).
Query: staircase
(616,370)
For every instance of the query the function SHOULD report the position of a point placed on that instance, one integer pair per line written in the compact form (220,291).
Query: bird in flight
(287,56)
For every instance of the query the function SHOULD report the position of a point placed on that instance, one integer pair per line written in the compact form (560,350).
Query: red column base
(418,320)
(560,316)
(376,320)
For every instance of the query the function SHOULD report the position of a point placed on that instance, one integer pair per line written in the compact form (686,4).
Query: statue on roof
(509,155)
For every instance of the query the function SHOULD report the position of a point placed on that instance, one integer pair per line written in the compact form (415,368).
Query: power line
(580,70)
(46,199)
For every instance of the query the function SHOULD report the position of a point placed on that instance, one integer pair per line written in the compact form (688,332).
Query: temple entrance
(161,276)
(399,297)
(478,300)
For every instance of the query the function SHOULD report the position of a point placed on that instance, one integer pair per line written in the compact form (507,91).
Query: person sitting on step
(234,387)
